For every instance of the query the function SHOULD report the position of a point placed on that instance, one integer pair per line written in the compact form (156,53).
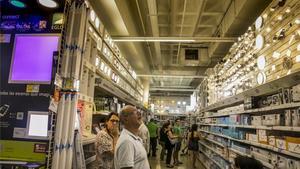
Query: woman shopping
(106,141)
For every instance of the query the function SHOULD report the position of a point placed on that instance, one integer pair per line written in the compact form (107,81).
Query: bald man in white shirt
(130,152)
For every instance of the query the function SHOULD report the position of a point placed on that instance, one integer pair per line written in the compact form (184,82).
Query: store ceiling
(215,19)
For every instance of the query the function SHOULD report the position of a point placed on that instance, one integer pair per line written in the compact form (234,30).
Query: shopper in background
(153,128)
(179,133)
(130,152)
(169,144)
(162,140)
(242,162)
(193,146)
(106,141)
(144,134)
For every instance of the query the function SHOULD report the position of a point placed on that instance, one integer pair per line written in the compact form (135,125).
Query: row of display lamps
(45,3)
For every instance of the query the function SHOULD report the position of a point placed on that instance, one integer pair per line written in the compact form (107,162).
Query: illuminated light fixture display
(298,58)
(268,29)
(258,23)
(279,17)
(276,55)
(288,10)
(102,66)
(259,42)
(92,15)
(154,40)
(298,47)
(273,67)
(97,61)
(261,62)
(48,3)
(97,23)
(17,3)
(288,53)
(265,16)
(297,21)
(179,103)
(261,78)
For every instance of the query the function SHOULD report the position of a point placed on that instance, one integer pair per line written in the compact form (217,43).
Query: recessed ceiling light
(17,3)
(48,3)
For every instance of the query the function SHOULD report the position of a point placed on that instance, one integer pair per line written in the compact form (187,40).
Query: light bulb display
(259,42)
(261,78)
(261,62)
(97,23)
(92,15)
(276,55)
(258,23)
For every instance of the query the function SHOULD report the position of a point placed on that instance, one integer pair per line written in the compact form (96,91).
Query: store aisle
(155,163)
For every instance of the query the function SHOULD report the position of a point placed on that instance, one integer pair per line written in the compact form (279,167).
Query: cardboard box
(281,143)
(293,144)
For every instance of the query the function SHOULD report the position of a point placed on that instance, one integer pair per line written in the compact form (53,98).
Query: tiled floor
(187,163)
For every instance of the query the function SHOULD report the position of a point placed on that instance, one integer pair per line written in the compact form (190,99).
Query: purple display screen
(32,58)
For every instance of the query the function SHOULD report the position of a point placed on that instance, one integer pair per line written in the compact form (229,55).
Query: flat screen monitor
(32,58)
(37,124)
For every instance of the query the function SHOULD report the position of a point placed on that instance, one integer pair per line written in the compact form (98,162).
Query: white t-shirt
(145,136)
(130,152)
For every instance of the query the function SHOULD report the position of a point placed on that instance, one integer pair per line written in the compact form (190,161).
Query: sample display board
(30,41)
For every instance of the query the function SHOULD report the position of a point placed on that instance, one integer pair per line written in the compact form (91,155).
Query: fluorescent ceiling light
(48,3)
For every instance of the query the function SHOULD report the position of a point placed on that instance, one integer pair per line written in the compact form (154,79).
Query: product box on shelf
(262,136)
(256,120)
(296,117)
(245,119)
(287,95)
(293,144)
(272,141)
(234,119)
(252,137)
(273,120)
(296,93)
(288,117)
(293,164)
(276,99)
(281,143)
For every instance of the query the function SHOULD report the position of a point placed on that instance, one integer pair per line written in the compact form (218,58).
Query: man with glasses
(130,152)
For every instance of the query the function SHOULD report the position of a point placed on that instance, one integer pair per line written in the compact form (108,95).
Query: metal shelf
(279,128)
(253,111)
(211,159)
(275,149)
(90,160)
(213,150)
(264,89)
(215,142)
(89,140)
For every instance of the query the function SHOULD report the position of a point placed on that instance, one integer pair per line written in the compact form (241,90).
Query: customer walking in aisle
(144,134)
(153,128)
(162,140)
(242,162)
(106,141)
(179,133)
(193,146)
(169,143)
(130,152)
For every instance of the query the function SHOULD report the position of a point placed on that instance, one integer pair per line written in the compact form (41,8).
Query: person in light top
(130,152)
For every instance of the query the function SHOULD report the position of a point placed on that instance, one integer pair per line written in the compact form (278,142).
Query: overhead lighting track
(174,76)
(174,39)
(173,89)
